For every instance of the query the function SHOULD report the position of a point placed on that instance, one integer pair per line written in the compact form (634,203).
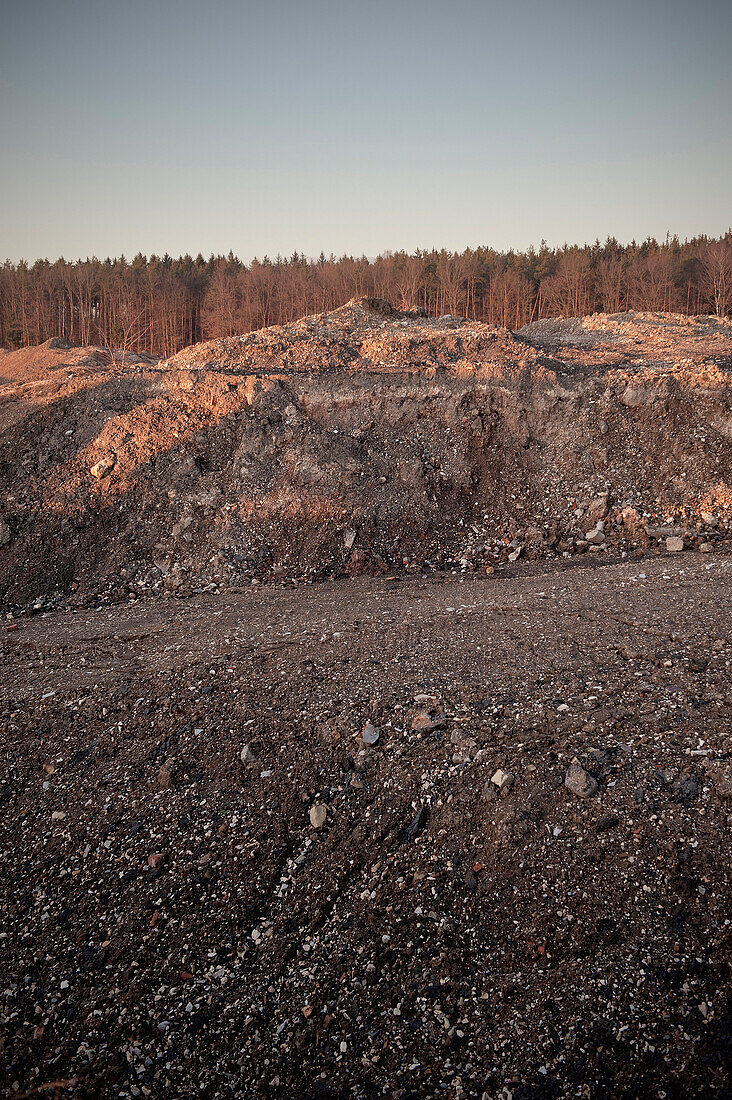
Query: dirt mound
(363,440)
(368,335)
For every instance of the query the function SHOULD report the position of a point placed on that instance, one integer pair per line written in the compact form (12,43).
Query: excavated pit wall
(217,477)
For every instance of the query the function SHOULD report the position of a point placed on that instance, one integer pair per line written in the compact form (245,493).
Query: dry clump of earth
(455,822)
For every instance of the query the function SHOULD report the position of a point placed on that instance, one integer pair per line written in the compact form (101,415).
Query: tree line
(160,304)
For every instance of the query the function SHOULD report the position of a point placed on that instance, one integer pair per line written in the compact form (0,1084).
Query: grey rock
(369,734)
(246,755)
(597,508)
(721,777)
(635,396)
(662,532)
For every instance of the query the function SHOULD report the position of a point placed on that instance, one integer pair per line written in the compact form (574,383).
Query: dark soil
(175,926)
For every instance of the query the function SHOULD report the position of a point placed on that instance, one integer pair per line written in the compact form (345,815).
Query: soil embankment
(364,440)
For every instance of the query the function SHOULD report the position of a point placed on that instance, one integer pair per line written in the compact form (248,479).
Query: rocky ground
(360,441)
(425,837)
(454,821)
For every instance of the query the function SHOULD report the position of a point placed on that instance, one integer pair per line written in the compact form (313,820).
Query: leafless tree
(717,275)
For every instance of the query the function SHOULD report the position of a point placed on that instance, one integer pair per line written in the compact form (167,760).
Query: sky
(349,127)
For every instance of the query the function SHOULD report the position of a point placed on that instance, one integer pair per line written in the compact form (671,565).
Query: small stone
(503,780)
(155,860)
(349,537)
(721,777)
(580,782)
(417,824)
(58,815)
(424,721)
(369,734)
(674,543)
(318,814)
(706,548)
(596,536)
(246,755)
(165,775)
(103,467)
(635,396)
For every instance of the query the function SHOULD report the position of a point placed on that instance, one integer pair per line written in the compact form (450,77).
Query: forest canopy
(160,304)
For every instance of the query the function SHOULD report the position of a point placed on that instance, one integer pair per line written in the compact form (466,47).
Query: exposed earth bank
(361,441)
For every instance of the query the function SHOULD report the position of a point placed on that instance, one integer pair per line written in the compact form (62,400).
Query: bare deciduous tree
(160,304)
(717,274)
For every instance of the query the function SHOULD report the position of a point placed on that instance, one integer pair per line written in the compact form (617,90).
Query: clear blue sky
(166,125)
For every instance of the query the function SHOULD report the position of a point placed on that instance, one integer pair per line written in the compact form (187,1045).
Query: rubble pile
(360,441)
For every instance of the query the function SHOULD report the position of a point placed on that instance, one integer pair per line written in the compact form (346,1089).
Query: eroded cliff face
(362,440)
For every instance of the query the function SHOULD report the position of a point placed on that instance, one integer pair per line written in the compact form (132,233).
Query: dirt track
(179,928)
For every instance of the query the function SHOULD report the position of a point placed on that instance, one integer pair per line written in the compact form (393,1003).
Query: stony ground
(319,842)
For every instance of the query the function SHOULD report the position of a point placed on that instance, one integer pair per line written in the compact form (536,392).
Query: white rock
(502,780)
(318,814)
